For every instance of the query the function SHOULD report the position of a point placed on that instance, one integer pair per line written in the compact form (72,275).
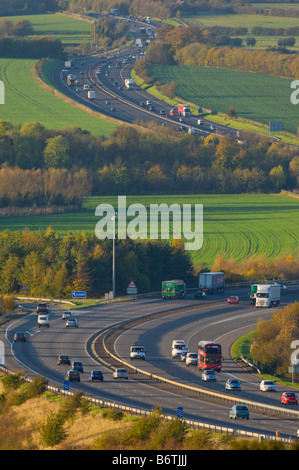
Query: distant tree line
(197,47)
(19,7)
(52,265)
(19,28)
(31,48)
(61,167)
(255,31)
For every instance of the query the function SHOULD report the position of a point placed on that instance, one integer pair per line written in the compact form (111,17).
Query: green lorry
(175,289)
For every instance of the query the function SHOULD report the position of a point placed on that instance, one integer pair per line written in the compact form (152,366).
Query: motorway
(114,100)
(210,321)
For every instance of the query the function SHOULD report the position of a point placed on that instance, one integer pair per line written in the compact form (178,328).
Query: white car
(192,359)
(43,320)
(72,322)
(209,376)
(120,374)
(267,386)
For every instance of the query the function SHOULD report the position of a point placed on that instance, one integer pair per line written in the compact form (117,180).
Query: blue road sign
(66,385)
(180,412)
(78,295)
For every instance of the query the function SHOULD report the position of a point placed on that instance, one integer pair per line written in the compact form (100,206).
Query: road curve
(39,355)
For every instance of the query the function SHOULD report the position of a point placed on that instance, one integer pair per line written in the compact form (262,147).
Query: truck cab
(137,352)
(267,295)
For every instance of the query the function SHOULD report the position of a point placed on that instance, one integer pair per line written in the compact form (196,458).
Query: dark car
(199,294)
(96,375)
(42,308)
(77,365)
(64,359)
(19,337)
(73,375)
(239,411)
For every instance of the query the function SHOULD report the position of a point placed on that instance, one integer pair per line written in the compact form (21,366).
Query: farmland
(26,101)
(240,226)
(68,30)
(256,97)
(247,21)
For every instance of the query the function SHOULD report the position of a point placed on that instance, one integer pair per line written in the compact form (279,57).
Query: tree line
(53,266)
(31,48)
(272,348)
(194,46)
(19,7)
(50,167)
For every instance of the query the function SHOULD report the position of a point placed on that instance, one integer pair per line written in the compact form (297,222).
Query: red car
(289,398)
(173,112)
(233,299)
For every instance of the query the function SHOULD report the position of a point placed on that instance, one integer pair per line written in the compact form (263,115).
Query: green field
(26,101)
(240,226)
(246,21)
(68,30)
(257,97)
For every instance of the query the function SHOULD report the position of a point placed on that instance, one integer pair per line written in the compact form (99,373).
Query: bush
(52,431)
(70,406)
(12,381)
(113,414)
(37,386)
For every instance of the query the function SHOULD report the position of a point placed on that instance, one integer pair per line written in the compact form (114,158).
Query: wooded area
(271,346)
(200,47)
(41,166)
(53,266)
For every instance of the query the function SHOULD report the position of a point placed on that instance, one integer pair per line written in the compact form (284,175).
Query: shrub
(52,431)
(12,381)
(113,414)
(37,386)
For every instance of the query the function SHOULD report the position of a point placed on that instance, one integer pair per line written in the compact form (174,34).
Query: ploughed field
(239,226)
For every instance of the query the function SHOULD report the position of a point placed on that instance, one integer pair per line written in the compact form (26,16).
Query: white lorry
(267,295)
(129,83)
(91,95)
(178,348)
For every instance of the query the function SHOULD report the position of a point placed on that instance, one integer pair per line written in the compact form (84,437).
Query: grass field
(68,30)
(247,21)
(26,101)
(240,226)
(257,97)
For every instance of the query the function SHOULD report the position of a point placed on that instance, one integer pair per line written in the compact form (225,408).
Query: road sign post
(78,295)
(66,385)
(132,289)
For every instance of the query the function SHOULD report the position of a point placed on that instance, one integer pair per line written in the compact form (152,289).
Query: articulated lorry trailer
(212,283)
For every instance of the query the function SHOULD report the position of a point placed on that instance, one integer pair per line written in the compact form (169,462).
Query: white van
(43,320)
(137,352)
(178,348)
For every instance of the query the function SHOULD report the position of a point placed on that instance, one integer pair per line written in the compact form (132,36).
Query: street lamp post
(113,257)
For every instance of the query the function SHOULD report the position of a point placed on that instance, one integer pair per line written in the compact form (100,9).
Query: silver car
(209,376)
(232,384)
(120,374)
